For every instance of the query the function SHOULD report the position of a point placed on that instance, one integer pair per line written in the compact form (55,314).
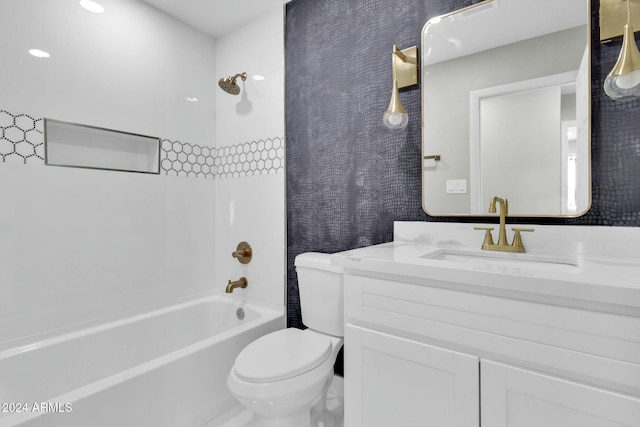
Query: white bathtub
(165,367)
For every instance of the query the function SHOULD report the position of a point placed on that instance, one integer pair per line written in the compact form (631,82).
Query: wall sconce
(405,73)
(623,82)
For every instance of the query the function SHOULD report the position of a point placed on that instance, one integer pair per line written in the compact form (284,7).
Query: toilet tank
(321,293)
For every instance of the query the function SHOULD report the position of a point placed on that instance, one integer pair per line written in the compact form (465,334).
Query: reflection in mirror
(506,106)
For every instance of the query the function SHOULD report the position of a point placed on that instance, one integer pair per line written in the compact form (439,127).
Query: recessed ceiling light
(258,77)
(192,99)
(92,6)
(39,53)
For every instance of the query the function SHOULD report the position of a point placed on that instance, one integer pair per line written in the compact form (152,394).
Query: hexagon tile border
(22,141)
(21,138)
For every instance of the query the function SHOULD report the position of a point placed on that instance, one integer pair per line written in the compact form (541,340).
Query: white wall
(251,207)
(78,244)
(130,68)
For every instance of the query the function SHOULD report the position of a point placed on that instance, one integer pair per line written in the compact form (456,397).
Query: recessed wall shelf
(75,145)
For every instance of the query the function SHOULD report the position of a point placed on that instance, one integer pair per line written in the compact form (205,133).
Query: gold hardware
(517,238)
(502,245)
(229,84)
(405,73)
(613,17)
(504,211)
(405,66)
(435,157)
(240,283)
(243,253)
(488,238)
(629,59)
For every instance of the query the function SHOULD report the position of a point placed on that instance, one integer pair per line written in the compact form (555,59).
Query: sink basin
(494,260)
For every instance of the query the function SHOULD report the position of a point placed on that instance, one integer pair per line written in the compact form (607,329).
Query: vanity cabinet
(425,352)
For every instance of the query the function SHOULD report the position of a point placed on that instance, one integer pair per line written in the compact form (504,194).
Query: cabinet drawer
(594,346)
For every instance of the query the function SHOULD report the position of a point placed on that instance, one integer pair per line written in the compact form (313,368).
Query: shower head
(229,84)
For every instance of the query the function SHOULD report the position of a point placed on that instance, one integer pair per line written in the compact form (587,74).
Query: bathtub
(164,367)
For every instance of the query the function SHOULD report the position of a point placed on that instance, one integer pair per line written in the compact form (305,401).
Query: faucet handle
(517,238)
(488,238)
(243,253)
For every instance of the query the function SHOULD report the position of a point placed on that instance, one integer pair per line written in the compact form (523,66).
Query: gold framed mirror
(506,105)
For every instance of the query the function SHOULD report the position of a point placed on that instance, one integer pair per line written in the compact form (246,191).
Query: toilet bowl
(283,377)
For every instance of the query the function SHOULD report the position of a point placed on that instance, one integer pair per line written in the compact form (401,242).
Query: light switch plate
(456,186)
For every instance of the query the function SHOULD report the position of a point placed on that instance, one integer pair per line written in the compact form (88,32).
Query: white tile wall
(79,244)
(125,69)
(251,209)
(250,206)
(22,141)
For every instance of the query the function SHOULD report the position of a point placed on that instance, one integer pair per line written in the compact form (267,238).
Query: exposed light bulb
(395,120)
(623,87)
(629,80)
(258,77)
(396,116)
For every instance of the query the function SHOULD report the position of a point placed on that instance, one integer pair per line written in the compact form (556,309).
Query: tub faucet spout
(240,283)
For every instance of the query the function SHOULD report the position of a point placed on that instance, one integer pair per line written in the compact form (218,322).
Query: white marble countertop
(563,264)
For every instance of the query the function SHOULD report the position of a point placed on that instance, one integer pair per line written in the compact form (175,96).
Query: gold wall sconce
(623,82)
(405,73)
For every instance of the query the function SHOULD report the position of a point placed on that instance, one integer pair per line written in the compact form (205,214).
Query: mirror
(506,108)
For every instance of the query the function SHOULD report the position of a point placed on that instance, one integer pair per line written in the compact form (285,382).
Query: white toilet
(283,377)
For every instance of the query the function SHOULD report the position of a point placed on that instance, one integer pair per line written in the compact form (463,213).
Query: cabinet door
(391,381)
(514,397)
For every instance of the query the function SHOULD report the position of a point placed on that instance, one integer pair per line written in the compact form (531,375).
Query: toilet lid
(282,354)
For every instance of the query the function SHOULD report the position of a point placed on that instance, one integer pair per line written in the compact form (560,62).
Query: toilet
(283,377)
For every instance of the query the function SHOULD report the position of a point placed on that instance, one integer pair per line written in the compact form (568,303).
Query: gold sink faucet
(503,244)
(504,211)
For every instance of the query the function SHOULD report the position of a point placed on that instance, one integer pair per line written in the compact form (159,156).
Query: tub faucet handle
(243,252)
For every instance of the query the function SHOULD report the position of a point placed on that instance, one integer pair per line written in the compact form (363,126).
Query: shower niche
(83,146)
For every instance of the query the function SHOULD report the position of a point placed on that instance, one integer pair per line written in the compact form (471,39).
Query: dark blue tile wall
(349,178)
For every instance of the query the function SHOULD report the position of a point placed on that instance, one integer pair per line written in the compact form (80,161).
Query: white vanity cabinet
(432,352)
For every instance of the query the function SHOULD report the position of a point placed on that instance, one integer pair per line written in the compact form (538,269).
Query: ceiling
(215,17)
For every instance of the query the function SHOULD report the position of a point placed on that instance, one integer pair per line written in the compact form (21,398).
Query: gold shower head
(229,84)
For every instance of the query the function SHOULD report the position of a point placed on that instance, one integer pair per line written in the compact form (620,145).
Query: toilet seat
(281,355)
